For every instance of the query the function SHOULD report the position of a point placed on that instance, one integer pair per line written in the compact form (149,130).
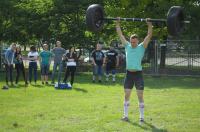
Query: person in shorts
(45,61)
(98,61)
(112,61)
(134,54)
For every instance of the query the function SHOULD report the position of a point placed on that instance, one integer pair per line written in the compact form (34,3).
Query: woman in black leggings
(19,65)
(71,59)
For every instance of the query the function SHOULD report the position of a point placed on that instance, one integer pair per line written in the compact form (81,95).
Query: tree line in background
(32,21)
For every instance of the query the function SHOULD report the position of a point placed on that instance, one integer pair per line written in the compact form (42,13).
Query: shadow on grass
(148,126)
(37,85)
(80,90)
(19,86)
(23,86)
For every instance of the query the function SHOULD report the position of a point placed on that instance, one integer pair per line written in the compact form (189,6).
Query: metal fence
(180,57)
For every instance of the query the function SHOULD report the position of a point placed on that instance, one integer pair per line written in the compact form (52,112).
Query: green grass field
(171,105)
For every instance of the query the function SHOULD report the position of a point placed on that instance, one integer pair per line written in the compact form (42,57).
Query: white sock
(126,105)
(141,108)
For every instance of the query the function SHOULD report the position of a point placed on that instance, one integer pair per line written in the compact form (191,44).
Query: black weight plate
(94,17)
(175,18)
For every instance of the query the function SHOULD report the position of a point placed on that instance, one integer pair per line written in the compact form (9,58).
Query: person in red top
(71,59)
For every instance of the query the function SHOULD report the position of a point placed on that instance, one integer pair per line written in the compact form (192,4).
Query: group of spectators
(62,59)
(109,60)
(13,56)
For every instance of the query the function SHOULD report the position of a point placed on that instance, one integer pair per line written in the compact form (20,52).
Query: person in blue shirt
(9,62)
(134,54)
(45,61)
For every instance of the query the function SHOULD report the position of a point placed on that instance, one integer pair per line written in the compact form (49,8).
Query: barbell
(175,19)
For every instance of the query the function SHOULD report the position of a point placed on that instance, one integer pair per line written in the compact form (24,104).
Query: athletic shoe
(125,119)
(69,85)
(5,87)
(141,121)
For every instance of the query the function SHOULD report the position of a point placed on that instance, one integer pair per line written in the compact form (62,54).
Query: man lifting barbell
(134,54)
(134,50)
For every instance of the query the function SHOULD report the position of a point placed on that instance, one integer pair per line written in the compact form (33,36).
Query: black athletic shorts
(134,78)
(110,67)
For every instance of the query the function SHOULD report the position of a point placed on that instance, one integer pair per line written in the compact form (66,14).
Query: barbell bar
(140,20)
(175,19)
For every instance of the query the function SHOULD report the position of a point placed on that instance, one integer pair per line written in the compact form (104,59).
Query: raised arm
(149,34)
(119,32)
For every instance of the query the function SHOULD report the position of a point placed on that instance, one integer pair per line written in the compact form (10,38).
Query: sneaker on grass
(125,118)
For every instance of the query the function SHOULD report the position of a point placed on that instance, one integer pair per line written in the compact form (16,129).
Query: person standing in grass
(98,61)
(9,62)
(33,57)
(58,53)
(45,61)
(112,61)
(71,60)
(19,65)
(134,54)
